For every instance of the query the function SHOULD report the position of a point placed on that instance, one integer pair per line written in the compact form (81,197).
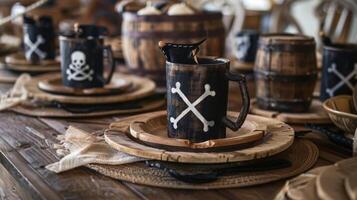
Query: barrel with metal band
(285,72)
(141,35)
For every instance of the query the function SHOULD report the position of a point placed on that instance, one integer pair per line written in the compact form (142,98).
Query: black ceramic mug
(83,58)
(246,45)
(197,96)
(39,39)
(339,71)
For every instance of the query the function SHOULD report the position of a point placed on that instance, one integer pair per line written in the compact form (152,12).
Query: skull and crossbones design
(34,47)
(344,80)
(79,70)
(192,106)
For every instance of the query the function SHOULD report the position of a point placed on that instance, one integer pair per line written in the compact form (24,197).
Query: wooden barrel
(285,72)
(141,34)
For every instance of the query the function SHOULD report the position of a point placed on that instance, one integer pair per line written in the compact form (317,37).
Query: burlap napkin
(81,148)
(16,95)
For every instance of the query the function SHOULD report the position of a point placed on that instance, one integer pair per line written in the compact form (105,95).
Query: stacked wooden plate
(260,139)
(124,94)
(336,181)
(11,66)
(315,115)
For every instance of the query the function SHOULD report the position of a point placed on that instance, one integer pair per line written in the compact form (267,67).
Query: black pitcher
(83,57)
(197,97)
(39,39)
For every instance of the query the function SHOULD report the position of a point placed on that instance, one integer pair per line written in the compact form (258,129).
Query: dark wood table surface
(25,150)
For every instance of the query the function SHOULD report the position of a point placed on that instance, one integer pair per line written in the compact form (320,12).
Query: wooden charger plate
(144,105)
(54,85)
(153,131)
(303,154)
(142,87)
(22,65)
(315,115)
(19,59)
(280,137)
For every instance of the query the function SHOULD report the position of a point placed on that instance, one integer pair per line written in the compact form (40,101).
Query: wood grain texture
(285,72)
(53,84)
(280,138)
(141,35)
(86,184)
(140,106)
(142,88)
(315,115)
(19,59)
(302,155)
(153,130)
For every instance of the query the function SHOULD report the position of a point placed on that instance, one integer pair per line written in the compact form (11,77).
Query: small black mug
(83,58)
(197,96)
(245,45)
(39,39)
(339,71)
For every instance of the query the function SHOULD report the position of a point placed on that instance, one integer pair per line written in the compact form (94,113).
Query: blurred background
(337,18)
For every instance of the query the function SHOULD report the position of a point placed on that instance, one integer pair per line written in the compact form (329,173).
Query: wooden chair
(281,17)
(338,20)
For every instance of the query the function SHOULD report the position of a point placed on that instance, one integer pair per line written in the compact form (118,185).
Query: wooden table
(25,150)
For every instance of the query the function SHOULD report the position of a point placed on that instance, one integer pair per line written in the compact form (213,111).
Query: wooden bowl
(340,110)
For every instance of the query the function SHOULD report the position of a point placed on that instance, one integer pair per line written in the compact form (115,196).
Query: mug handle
(112,63)
(245,98)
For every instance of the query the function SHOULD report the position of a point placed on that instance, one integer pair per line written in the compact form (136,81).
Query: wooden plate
(142,88)
(54,85)
(154,131)
(280,137)
(35,111)
(315,115)
(303,154)
(19,59)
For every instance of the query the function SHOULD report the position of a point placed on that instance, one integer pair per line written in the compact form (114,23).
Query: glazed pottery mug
(39,39)
(245,45)
(339,70)
(197,96)
(84,56)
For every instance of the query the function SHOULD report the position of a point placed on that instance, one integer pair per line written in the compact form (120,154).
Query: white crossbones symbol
(192,106)
(344,80)
(78,69)
(34,46)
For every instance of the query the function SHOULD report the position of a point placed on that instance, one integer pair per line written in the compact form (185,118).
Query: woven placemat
(302,154)
(315,115)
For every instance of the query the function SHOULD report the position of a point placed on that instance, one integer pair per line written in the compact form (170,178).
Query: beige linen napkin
(16,95)
(82,148)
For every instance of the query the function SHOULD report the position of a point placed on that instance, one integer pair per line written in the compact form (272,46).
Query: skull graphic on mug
(82,58)
(79,70)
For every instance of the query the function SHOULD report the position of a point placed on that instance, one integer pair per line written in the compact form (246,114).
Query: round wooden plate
(301,187)
(19,59)
(302,154)
(280,137)
(331,183)
(143,106)
(153,131)
(142,87)
(315,115)
(54,85)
